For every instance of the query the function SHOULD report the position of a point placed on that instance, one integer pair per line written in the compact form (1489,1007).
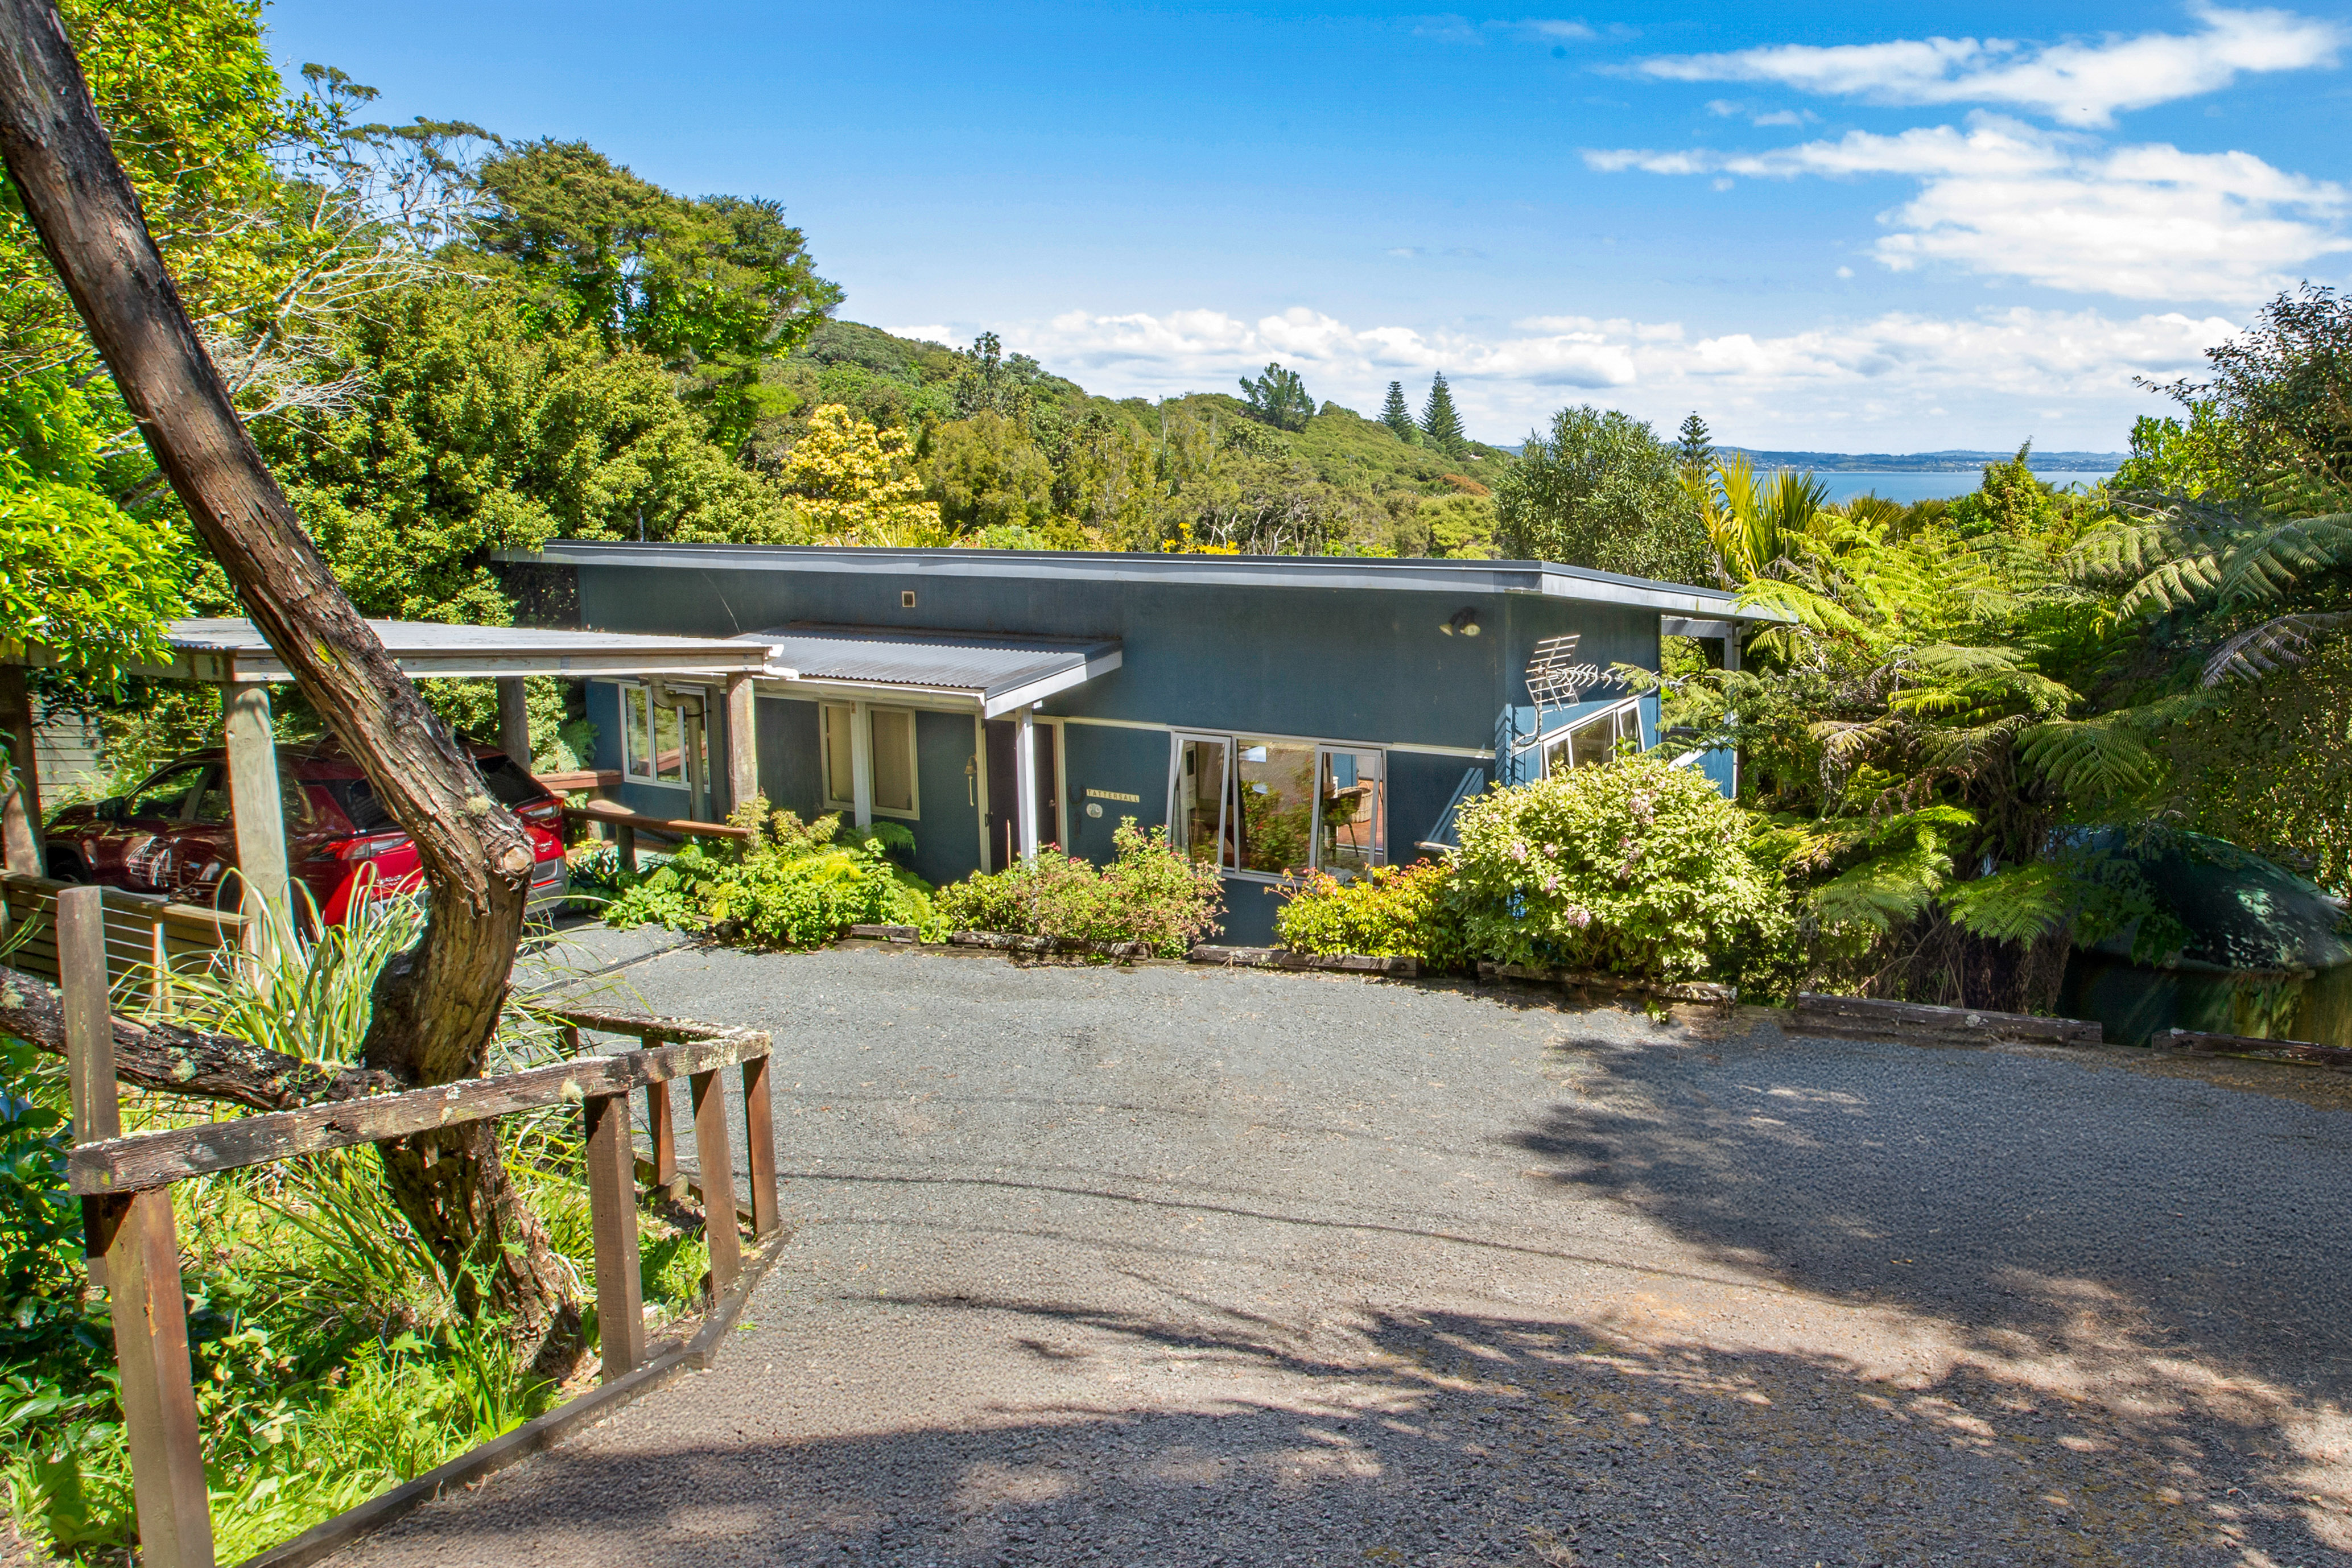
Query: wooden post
(613,1216)
(20,808)
(514,721)
(135,1239)
(1025,771)
(742,742)
(659,1128)
(718,1182)
(690,737)
(255,803)
(624,847)
(759,1134)
(158,961)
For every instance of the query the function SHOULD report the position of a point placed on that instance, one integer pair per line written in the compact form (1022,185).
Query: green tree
(856,485)
(1441,426)
(1397,416)
(1602,491)
(985,472)
(1278,397)
(708,287)
(2167,458)
(1694,447)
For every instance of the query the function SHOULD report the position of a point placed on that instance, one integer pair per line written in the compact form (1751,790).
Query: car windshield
(509,784)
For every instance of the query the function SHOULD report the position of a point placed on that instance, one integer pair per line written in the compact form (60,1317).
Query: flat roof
(1547,578)
(997,673)
(232,651)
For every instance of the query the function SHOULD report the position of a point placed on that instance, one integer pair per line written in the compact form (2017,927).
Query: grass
(332,1360)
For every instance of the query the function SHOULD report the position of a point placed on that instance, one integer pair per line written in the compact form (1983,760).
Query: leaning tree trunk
(436,1005)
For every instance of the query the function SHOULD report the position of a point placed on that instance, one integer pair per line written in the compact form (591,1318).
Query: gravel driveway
(1185,1267)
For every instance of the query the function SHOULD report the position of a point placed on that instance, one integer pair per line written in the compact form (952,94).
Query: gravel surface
(1173,1265)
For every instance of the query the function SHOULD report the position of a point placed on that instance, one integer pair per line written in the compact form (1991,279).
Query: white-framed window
(652,739)
(891,751)
(1612,732)
(1261,807)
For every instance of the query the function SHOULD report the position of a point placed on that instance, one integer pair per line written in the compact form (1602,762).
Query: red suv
(176,834)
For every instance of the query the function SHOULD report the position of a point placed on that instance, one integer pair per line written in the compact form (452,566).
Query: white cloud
(936,333)
(2004,200)
(2076,83)
(1900,381)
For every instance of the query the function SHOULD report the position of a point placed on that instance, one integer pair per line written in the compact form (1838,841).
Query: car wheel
(65,866)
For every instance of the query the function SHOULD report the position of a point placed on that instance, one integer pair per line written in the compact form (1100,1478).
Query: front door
(1004,789)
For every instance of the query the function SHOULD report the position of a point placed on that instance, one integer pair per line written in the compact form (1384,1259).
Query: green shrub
(1393,911)
(1149,894)
(1635,867)
(791,884)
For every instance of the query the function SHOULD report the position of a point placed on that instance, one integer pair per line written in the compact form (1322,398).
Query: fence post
(140,1248)
(659,1128)
(758,1133)
(718,1182)
(613,1216)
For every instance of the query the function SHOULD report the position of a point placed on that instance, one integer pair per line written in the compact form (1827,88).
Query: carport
(233,657)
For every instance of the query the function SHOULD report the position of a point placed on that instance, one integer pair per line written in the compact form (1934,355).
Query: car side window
(165,796)
(214,806)
(218,805)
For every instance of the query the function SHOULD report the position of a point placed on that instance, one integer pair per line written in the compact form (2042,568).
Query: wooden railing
(125,1188)
(626,824)
(146,936)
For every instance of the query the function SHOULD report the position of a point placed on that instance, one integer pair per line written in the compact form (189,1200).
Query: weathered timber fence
(1870,1018)
(147,938)
(124,1185)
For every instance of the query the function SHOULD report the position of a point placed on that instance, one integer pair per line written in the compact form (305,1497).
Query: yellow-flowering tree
(856,485)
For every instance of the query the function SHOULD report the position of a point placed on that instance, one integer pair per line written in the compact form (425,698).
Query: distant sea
(1897,486)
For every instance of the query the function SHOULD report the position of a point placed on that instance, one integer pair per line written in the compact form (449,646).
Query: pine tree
(1439,422)
(1397,416)
(1696,449)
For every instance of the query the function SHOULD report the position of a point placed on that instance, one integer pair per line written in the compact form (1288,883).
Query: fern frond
(2016,904)
(2270,561)
(2088,758)
(1882,893)
(2279,643)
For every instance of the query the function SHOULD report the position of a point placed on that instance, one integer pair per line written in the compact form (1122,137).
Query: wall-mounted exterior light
(1465,622)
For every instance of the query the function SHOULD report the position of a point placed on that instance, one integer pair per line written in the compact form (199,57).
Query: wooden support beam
(255,803)
(692,736)
(514,721)
(717,1171)
(613,1217)
(135,1257)
(759,1137)
(155,1159)
(20,806)
(742,742)
(662,1131)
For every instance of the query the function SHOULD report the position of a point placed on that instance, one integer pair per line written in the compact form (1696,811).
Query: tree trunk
(436,1007)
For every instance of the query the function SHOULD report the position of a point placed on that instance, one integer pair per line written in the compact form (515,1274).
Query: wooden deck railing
(124,1185)
(146,936)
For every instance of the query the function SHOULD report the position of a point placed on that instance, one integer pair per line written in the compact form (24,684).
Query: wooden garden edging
(1869,1018)
(1590,980)
(1290,958)
(125,1188)
(2303,1053)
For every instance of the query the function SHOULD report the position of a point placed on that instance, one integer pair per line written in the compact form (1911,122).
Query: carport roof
(232,651)
(999,673)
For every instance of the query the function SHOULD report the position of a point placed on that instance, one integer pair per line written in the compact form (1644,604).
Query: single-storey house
(1274,712)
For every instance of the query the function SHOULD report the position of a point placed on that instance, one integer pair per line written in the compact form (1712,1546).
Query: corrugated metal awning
(232,651)
(997,673)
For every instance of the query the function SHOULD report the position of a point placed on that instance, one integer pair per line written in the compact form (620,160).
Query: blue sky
(1831,226)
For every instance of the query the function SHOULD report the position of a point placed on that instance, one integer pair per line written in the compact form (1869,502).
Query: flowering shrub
(1149,893)
(1634,868)
(1393,911)
(791,884)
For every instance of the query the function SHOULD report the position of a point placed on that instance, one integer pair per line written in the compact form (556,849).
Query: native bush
(1392,911)
(1635,867)
(1149,893)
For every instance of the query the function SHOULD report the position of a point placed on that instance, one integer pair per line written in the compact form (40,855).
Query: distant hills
(1944,462)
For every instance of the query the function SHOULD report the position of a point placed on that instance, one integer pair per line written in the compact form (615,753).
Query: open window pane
(1201,825)
(837,776)
(669,746)
(1277,806)
(1629,731)
(637,736)
(894,759)
(1592,739)
(1353,812)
